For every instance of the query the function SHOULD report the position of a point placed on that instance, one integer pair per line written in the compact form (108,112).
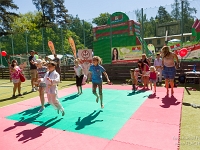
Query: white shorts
(147,73)
(16,80)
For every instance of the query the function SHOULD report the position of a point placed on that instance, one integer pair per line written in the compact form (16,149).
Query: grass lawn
(6,91)
(190,122)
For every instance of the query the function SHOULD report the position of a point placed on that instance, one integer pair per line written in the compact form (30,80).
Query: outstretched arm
(105,74)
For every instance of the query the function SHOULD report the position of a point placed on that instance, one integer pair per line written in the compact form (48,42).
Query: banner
(73,46)
(85,56)
(51,47)
(127,54)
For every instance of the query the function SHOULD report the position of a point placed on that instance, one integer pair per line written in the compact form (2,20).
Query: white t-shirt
(78,70)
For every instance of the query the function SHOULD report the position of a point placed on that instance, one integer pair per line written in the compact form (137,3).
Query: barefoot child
(153,77)
(96,71)
(79,76)
(41,73)
(52,78)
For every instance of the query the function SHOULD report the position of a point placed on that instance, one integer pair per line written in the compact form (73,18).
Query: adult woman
(115,54)
(169,70)
(145,72)
(14,73)
(145,59)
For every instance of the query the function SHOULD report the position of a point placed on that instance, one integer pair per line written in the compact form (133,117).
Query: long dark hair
(12,63)
(113,57)
(142,64)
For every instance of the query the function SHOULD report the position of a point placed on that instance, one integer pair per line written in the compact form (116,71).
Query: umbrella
(174,40)
(52,56)
(68,55)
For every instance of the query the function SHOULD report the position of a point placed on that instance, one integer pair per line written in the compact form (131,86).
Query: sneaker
(63,112)
(41,109)
(36,88)
(19,95)
(33,90)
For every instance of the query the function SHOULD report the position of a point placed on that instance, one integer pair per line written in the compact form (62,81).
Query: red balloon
(183,52)
(3,53)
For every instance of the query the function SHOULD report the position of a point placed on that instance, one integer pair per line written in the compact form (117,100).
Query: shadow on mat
(152,96)
(32,111)
(88,120)
(136,92)
(23,122)
(32,134)
(168,101)
(71,97)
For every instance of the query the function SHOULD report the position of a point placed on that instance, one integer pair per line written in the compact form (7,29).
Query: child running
(52,78)
(153,77)
(96,71)
(79,76)
(41,73)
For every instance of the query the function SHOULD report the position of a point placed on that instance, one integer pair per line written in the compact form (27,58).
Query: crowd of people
(45,76)
(165,64)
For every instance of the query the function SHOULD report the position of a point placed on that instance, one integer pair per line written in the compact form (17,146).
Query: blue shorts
(152,80)
(169,72)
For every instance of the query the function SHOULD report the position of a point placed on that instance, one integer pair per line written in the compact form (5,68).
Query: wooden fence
(118,72)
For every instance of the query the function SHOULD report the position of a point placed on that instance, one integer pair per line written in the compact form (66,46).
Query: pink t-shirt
(15,74)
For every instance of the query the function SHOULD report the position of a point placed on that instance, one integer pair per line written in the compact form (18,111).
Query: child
(153,77)
(79,76)
(133,78)
(96,71)
(52,78)
(41,73)
(136,74)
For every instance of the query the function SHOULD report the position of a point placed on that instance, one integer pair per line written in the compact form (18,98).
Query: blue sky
(88,9)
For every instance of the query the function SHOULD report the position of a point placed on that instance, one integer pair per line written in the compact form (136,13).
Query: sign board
(85,55)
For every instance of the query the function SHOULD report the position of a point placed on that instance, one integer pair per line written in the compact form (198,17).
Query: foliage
(82,29)
(163,16)
(52,11)
(101,19)
(6,16)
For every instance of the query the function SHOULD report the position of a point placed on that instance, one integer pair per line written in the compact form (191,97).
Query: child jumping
(96,71)
(79,76)
(153,77)
(52,78)
(41,73)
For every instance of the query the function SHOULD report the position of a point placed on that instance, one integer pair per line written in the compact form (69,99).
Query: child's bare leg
(155,87)
(150,85)
(167,85)
(100,95)
(147,81)
(94,87)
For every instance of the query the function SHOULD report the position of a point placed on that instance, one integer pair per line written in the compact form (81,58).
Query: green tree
(176,10)
(82,29)
(149,25)
(53,11)
(101,19)
(163,16)
(6,16)
(188,18)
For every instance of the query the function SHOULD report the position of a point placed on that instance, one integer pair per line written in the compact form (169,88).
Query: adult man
(33,70)
(158,65)
(58,69)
